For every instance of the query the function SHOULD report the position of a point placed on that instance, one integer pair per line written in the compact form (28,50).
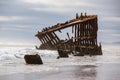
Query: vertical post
(79,34)
(68,35)
(73,29)
(75,33)
(83,33)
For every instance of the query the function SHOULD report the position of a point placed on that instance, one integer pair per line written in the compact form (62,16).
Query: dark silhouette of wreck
(84,41)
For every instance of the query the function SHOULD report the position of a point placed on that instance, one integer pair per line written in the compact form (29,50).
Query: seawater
(12,59)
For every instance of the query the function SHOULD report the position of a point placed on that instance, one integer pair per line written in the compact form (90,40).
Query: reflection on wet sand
(104,67)
(86,72)
(109,71)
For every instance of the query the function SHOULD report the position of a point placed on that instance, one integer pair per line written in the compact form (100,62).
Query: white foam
(12,61)
(11,54)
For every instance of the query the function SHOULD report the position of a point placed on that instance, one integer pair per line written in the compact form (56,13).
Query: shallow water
(105,67)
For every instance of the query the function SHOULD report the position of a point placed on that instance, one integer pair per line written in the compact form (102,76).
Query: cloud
(18,42)
(116,35)
(111,19)
(57,5)
(15,27)
(64,6)
(12,18)
(106,30)
(23,18)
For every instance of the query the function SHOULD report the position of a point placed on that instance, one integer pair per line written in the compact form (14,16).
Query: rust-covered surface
(33,59)
(84,40)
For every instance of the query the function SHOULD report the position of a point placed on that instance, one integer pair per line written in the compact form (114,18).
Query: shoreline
(109,71)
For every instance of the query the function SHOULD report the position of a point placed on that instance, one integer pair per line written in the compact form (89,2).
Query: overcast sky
(21,19)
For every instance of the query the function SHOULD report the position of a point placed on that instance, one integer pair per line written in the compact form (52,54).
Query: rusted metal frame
(79,27)
(82,30)
(86,37)
(72,28)
(87,26)
(93,33)
(75,33)
(84,34)
(57,38)
(67,25)
(46,38)
(71,44)
(90,33)
(87,33)
(52,38)
(78,34)
(96,26)
(68,35)
(75,37)
(49,40)
(90,27)
(42,37)
(79,39)
(81,34)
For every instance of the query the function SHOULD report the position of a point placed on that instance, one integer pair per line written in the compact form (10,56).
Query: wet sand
(104,71)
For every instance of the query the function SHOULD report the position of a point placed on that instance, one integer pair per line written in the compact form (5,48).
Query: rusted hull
(83,41)
(88,51)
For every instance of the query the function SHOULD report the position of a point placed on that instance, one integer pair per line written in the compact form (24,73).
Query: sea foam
(15,53)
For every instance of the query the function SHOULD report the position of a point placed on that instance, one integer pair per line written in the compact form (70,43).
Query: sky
(20,20)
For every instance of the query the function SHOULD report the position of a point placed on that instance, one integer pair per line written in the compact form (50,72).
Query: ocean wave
(11,54)
(14,53)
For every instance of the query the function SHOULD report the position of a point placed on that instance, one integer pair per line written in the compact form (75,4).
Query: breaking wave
(12,54)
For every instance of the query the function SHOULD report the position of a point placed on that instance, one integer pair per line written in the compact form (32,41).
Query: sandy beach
(104,67)
(76,72)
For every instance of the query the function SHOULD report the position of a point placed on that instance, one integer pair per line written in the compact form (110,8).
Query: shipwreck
(83,41)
